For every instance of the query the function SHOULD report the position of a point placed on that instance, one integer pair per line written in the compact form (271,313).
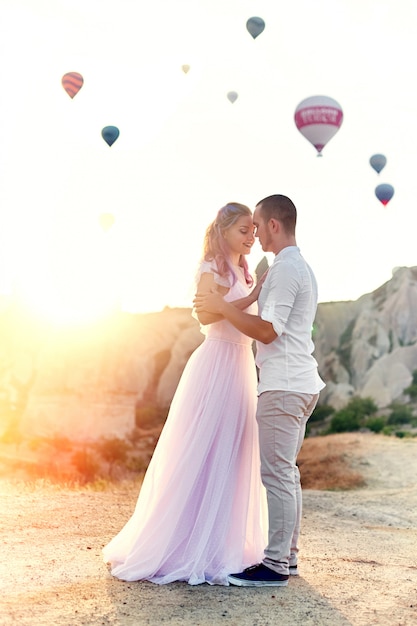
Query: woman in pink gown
(199,515)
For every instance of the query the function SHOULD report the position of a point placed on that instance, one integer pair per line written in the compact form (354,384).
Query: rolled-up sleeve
(281,288)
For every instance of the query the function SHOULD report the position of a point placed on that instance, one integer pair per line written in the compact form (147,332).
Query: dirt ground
(358,560)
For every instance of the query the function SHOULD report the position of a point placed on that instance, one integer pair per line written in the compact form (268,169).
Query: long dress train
(200,510)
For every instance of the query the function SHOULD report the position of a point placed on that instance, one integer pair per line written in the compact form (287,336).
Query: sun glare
(70,289)
(70,307)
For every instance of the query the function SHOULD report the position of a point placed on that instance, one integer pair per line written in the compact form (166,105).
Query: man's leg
(294,542)
(282,418)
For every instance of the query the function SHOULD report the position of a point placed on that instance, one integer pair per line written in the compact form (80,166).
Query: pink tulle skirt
(201,510)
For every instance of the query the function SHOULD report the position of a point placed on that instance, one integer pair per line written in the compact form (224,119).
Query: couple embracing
(221,499)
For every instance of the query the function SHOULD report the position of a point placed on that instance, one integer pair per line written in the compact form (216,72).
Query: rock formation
(369,347)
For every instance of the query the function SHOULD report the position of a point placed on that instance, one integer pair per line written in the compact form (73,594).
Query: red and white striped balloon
(72,83)
(318,119)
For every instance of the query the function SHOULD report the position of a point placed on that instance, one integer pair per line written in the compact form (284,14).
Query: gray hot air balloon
(378,162)
(232,96)
(255,26)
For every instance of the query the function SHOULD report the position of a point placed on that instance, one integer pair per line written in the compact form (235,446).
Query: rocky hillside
(87,383)
(369,347)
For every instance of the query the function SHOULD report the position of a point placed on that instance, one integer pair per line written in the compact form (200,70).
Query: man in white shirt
(289,383)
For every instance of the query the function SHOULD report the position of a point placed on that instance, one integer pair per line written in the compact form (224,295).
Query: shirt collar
(288,250)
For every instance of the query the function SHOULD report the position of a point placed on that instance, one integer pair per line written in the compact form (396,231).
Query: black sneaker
(258,576)
(293,570)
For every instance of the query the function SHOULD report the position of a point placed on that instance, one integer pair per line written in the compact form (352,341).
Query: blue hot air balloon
(232,96)
(255,26)
(378,162)
(384,193)
(110,134)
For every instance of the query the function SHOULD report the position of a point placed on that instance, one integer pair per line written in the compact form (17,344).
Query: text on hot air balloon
(318,115)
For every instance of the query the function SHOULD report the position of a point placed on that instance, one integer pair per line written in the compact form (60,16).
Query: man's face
(262,230)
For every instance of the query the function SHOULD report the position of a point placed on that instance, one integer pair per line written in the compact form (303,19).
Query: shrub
(388,430)
(363,406)
(400,434)
(376,424)
(400,414)
(353,416)
(344,421)
(321,412)
(86,464)
(113,450)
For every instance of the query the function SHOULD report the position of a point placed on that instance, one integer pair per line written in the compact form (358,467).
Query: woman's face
(240,236)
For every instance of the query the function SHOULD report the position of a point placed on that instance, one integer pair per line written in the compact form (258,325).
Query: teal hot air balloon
(378,162)
(255,26)
(384,193)
(110,134)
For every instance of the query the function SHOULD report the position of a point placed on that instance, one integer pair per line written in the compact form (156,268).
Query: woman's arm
(207,285)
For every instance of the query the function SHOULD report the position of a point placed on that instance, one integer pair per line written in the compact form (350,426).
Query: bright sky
(184,150)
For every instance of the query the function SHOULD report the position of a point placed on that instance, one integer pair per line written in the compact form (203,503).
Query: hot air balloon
(185,68)
(72,83)
(255,26)
(232,96)
(110,134)
(378,162)
(384,193)
(318,118)
(106,221)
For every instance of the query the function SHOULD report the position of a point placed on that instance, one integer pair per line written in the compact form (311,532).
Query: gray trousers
(282,417)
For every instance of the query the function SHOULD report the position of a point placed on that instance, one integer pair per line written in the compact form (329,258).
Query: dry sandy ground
(358,563)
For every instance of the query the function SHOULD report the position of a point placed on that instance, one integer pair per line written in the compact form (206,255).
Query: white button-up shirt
(288,299)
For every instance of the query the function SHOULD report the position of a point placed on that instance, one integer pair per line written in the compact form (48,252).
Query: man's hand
(211,302)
